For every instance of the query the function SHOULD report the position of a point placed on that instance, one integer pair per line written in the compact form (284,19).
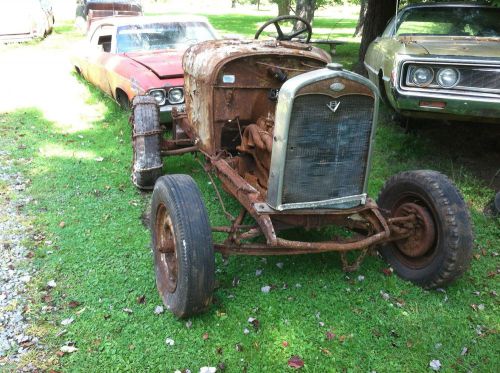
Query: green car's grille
(481,78)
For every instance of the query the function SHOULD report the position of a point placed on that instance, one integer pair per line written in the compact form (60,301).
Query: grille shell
(335,83)
(327,152)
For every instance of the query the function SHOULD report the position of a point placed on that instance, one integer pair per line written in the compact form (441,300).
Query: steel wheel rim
(426,238)
(165,250)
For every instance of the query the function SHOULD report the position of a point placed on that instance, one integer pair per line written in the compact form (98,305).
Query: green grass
(101,258)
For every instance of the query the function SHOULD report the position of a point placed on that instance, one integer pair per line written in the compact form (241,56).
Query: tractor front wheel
(439,248)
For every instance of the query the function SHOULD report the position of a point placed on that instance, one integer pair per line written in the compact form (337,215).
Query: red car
(129,56)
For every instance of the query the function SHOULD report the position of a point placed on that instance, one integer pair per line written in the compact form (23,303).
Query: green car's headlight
(448,77)
(176,95)
(422,76)
(159,95)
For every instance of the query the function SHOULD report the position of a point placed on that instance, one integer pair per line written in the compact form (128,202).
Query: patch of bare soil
(474,147)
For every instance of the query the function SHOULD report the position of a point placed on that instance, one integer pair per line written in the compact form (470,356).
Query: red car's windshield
(450,21)
(154,36)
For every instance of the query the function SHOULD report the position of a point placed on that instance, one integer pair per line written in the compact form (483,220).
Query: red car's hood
(165,64)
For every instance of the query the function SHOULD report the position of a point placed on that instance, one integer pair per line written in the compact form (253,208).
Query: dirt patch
(474,147)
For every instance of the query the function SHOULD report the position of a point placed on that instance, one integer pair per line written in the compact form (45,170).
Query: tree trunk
(283,7)
(304,9)
(377,15)
(361,18)
(233,4)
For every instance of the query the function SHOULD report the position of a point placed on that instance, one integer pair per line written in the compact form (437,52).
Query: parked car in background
(128,56)
(24,20)
(440,61)
(88,11)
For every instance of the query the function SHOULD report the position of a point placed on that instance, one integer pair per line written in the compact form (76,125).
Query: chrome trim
(412,77)
(459,76)
(168,108)
(168,95)
(329,203)
(443,93)
(164,95)
(283,114)
(371,69)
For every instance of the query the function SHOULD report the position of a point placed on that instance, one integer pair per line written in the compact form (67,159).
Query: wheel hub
(423,232)
(166,249)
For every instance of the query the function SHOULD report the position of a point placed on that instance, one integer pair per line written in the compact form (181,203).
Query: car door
(98,55)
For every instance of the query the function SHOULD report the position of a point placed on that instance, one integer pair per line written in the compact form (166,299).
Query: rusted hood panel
(202,59)
(458,46)
(164,64)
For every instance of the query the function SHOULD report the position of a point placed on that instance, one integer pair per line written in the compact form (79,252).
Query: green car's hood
(451,46)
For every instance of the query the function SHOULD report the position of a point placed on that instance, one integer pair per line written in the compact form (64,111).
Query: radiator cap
(334,66)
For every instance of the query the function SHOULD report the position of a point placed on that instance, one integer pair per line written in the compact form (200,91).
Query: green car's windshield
(450,21)
(154,36)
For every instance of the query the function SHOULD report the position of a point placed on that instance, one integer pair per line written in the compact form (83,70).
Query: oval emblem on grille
(337,87)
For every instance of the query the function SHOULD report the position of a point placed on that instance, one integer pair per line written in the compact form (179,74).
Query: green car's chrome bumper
(446,107)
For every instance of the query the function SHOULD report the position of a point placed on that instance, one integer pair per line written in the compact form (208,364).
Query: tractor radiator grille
(327,151)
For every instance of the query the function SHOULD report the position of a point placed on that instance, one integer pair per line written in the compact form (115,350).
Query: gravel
(15,270)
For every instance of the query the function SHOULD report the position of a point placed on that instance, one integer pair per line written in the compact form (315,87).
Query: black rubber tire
(122,100)
(193,244)
(451,253)
(496,204)
(147,164)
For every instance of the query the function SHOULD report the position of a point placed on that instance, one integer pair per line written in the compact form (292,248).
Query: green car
(440,61)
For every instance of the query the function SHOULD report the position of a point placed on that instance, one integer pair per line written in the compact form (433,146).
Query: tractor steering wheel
(306,29)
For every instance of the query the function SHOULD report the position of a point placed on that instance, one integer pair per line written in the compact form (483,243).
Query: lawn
(89,237)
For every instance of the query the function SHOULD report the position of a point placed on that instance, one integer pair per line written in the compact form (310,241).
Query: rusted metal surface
(256,146)
(165,250)
(421,229)
(228,82)
(249,196)
(229,118)
(349,87)
(188,149)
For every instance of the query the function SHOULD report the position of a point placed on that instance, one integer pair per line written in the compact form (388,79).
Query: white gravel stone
(15,270)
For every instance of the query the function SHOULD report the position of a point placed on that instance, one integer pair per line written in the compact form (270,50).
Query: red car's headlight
(176,95)
(159,95)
